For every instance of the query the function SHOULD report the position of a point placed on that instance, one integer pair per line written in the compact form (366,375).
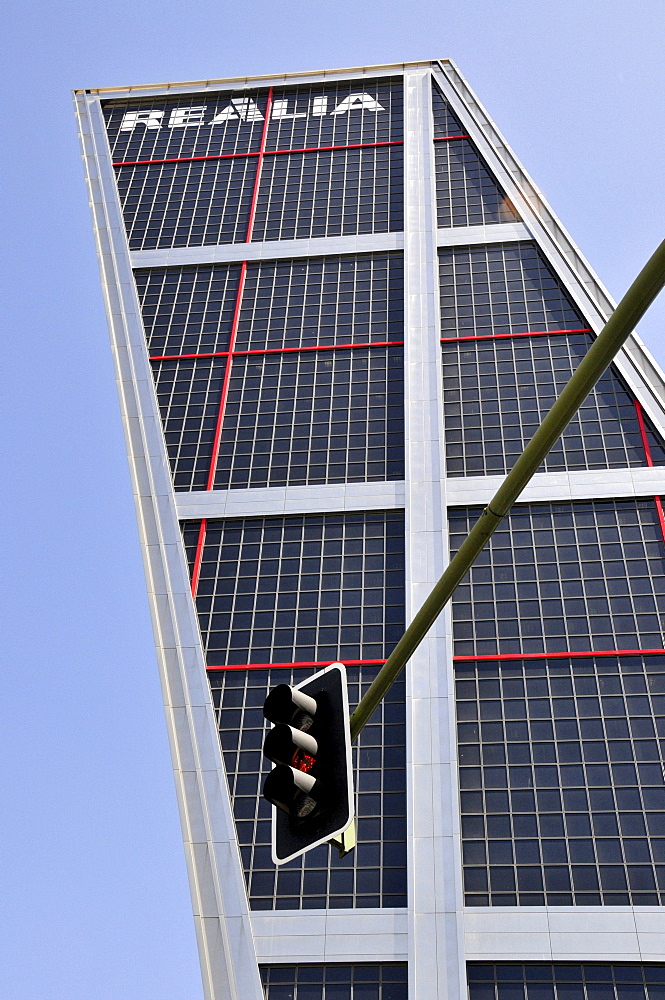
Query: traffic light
(311,788)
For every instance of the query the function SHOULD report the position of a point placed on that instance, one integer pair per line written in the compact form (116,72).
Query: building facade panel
(564,578)
(343,982)
(555,981)
(299,589)
(562,788)
(290,300)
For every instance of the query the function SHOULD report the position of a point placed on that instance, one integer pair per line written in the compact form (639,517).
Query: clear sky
(93,892)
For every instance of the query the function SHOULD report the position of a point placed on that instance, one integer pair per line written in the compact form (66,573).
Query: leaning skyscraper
(339,307)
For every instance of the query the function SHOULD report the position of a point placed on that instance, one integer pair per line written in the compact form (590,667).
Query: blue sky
(94,896)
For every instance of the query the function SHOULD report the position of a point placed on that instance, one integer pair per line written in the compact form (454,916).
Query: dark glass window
(466,192)
(322,119)
(191,203)
(301,589)
(323,301)
(374,874)
(335,982)
(188,310)
(188,394)
(568,577)
(561,778)
(565,981)
(445,122)
(496,392)
(319,417)
(289,418)
(504,288)
(335,193)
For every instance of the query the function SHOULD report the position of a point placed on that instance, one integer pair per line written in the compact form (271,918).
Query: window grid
(337,982)
(322,302)
(561,780)
(188,395)
(374,874)
(563,578)
(337,302)
(300,589)
(193,203)
(502,289)
(496,392)
(335,193)
(293,419)
(446,124)
(466,192)
(565,981)
(187,310)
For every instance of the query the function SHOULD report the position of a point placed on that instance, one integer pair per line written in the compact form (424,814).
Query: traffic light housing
(311,786)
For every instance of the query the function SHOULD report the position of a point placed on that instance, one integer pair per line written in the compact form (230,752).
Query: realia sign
(243,109)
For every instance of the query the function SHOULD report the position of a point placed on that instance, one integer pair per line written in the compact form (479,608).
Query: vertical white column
(221,912)
(436,959)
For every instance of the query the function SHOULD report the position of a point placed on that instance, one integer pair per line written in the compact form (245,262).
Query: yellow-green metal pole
(632,307)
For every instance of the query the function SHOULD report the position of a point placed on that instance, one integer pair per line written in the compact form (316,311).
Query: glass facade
(281,367)
(279,373)
(496,393)
(281,164)
(511,339)
(336,982)
(561,781)
(300,589)
(540,981)
(295,419)
(563,578)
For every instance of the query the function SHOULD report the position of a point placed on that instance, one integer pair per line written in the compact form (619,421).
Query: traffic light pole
(632,307)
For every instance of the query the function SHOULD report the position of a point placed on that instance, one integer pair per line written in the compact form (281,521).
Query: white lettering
(247,109)
(225,115)
(150,119)
(182,117)
(319,106)
(354,101)
(280,110)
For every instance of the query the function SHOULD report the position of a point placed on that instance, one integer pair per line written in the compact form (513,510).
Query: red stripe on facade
(449,138)
(257,179)
(643,432)
(558,656)
(322,347)
(528,333)
(227,379)
(294,666)
(326,149)
(264,152)
(649,460)
(280,350)
(196,569)
(661,515)
(183,159)
(180,357)
(236,311)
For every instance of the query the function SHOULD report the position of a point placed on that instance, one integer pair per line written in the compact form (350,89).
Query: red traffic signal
(311,788)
